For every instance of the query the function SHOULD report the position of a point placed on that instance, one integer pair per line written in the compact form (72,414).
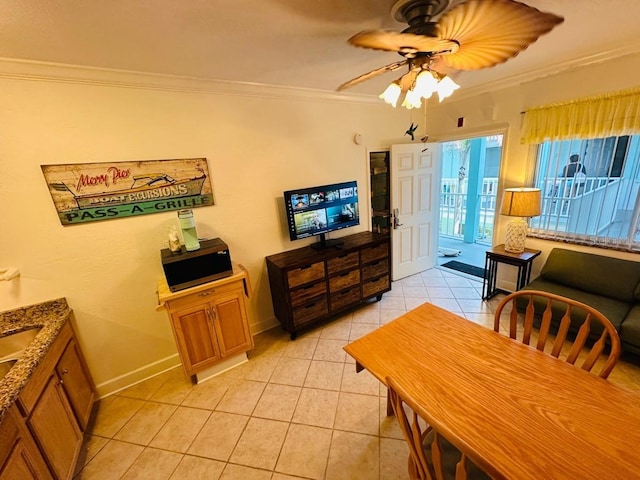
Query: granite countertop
(50,316)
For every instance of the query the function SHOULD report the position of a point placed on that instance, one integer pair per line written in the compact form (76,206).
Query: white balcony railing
(454,203)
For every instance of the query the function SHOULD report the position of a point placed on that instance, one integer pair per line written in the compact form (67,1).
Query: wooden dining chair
(431,456)
(595,335)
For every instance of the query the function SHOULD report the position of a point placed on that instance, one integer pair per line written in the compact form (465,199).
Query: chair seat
(450,457)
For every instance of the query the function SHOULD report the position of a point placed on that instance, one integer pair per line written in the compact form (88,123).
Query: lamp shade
(521,202)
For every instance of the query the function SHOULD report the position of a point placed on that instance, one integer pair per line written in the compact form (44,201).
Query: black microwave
(185,269)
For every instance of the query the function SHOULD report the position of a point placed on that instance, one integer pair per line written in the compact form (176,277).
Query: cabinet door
(19,455)
(56,430)
(195,335)
(77,382)
(232,323)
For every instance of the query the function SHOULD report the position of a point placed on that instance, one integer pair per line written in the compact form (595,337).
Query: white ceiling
(295,43)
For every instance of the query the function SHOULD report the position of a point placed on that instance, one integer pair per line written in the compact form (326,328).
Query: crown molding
(17,69)
(559,68)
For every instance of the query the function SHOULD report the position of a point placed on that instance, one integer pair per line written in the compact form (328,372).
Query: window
(590,192)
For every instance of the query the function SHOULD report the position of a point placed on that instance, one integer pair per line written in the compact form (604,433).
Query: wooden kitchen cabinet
(19,455)
(309,285)
(54,407)
(55,428)
(210,321)
(77,383)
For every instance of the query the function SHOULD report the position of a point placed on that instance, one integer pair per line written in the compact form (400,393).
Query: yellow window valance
(601,116)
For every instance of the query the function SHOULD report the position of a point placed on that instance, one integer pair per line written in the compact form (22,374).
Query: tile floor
(296,410)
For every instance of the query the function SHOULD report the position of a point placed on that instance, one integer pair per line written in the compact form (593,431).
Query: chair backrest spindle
(431,455)
(569,314)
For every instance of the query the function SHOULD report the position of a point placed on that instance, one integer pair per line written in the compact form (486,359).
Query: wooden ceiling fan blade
(491,32)
(374,73)
(404,43)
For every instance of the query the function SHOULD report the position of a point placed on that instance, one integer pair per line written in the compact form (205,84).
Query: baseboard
(264,325)
(139,375)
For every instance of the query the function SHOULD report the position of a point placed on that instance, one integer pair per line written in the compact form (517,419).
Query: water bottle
(188,226)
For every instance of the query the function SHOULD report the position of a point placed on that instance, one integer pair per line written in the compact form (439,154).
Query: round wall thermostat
(357,139)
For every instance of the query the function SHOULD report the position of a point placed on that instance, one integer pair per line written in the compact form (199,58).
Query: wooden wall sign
(90,192)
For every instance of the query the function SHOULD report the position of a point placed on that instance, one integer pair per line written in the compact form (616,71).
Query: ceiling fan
(472,35)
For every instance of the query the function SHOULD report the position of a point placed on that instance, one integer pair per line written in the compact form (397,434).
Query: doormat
(465,268)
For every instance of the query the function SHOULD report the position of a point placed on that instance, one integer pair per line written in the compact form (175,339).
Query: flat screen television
(320,210)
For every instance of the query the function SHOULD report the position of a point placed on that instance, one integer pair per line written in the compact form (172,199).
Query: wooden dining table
(518,413)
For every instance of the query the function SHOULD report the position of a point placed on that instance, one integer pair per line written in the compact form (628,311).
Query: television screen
(322,209)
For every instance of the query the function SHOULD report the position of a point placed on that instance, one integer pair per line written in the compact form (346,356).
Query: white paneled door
(415,193)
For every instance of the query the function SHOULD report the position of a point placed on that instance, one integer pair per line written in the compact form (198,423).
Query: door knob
(396,221)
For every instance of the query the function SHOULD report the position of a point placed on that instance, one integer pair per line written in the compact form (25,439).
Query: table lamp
(519,202)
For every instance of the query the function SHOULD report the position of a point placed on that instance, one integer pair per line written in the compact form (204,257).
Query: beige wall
(258,142)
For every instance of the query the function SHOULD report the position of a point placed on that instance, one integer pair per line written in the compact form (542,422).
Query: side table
(497,255)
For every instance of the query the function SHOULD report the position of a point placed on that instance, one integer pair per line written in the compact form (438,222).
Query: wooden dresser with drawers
(309,285)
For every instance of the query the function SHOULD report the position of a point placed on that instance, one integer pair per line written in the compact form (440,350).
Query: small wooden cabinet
(210,321)
(309,285)
(54,405)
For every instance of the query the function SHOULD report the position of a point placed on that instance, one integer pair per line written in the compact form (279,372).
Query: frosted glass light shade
(426,84)
(391,94)
(412,100)
(446,87)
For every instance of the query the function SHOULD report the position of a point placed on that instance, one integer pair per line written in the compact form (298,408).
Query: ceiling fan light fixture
(412,100)
(446,87)
(392,93)
(426,84)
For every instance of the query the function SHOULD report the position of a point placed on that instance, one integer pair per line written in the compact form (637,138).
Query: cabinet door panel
(54,426)
(19,455)
(196,338)
(232,326)
(77,382)
(19,465)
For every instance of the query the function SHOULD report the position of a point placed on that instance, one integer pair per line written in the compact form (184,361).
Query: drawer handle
(310,306)
(206,294)
(304,268)
(374,264)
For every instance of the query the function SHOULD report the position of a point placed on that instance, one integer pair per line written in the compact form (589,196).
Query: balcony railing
(454,204)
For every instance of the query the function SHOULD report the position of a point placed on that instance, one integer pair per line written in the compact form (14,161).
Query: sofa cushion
(630,331)
(605,276)
(614,310)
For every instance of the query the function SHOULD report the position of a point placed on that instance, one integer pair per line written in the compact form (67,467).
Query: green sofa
(611,285)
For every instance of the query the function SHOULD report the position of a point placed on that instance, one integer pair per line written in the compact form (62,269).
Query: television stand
(324,243)
(309,286)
